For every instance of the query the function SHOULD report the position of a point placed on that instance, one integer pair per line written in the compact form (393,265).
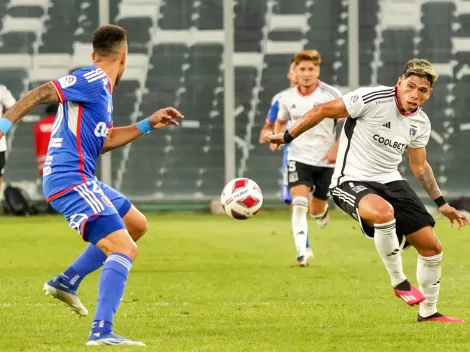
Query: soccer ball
(241,198)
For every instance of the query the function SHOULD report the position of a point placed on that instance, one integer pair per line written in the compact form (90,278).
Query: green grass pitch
(210,283)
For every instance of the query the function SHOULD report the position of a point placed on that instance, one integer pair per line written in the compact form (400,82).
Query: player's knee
(378,212)
(384,214)
(130,249)
(431,250)
(300,205)
(140,228)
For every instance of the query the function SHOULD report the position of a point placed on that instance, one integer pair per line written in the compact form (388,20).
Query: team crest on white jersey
(413,132)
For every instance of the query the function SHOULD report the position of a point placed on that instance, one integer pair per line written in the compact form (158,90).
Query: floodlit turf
(211,283)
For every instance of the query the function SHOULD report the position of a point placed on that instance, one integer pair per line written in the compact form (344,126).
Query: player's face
(307,73)
(291,75)
(413,92)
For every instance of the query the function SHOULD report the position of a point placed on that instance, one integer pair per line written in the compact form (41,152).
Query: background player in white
(382,123)
(6,102)
(311,157)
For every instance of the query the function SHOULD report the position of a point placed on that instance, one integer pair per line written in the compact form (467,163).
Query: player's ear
(93,54)
(429,93)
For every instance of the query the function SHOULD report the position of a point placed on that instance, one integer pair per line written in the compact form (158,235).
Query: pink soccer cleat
(408,293)
(439,318)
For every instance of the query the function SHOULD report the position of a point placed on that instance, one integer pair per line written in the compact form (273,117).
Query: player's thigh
(135,221)
(299,178)
(86,212)
(349,195)
(412,219)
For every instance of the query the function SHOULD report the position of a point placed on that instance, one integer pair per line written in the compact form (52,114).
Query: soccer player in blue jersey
(83,129)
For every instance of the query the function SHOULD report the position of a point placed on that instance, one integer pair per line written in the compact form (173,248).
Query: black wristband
(440,201)
(287,137)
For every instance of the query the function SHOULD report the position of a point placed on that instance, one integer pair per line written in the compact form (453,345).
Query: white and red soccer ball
(241,198)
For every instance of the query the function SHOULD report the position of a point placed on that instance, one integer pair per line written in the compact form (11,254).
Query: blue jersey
(274,108)
(80,129)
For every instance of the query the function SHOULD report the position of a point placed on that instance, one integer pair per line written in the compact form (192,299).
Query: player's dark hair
(107,38)
(420,68)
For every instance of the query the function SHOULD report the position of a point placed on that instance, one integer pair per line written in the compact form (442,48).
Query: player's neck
(307,90)
(110,70)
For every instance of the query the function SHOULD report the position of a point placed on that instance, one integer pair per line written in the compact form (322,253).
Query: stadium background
(177,50)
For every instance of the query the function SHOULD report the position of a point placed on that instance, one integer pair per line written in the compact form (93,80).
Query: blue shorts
(285,194)
(93,209)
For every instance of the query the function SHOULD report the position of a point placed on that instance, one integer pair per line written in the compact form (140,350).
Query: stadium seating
(176,59)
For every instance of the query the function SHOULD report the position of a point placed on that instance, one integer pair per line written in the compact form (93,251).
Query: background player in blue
(82,130)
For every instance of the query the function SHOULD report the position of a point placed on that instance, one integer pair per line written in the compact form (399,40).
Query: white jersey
(6,102)
(310,147)
(376,135)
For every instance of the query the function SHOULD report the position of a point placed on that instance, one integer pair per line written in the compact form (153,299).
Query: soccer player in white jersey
(382,123)
(6,102)
(311,157)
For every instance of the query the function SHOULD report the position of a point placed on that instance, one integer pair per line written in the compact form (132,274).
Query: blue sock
(308,242)
(110,291)
(90,260)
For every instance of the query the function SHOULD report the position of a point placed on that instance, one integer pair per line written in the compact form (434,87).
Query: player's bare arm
(121,136)
(44,94)
(267,128)
(334,109)
(425,176)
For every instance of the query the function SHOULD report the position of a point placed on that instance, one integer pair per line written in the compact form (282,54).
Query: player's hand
(262,138)
(330,157)
(275,147)
(164,117)
(275,138)
(453,215)
(1,134)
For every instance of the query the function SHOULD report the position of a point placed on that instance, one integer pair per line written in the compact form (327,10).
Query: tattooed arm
(42,95)
(423,172)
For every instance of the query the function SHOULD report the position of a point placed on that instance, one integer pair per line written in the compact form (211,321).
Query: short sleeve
(79,87)
(354,103)
(7,98)
(283,114)
(422,137)
(272,113)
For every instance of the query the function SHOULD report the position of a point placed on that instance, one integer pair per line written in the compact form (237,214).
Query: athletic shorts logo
(293,177)
(358,189)
(413,132)
(354,99)
(67,81)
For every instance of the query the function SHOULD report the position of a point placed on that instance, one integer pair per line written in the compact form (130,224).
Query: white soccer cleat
(325,220)
(69,297)
(111,339)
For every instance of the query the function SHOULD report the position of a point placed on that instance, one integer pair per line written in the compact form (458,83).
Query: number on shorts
(291,167)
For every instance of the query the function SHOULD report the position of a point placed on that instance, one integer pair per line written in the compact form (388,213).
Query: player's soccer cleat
(408,293)
(69,297)
(323,221)
(111,339)
(302,261)
(439,318)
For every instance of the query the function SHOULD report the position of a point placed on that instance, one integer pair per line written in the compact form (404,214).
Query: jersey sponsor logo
(354,98)
(67,81)
(101,130)
(413,132)
(388,142)
(384,101)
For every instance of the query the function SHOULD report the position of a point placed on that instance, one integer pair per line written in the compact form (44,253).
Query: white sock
(386,243)
(299,224)
(428,273)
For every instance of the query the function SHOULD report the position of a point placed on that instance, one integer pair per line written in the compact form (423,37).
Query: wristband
(287,137)
(5,125)
(440,201)
(144,126)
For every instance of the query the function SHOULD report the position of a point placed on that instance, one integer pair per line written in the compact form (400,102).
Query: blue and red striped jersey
(80,129)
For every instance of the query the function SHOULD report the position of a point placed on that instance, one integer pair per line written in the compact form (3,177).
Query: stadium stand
(175,58)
